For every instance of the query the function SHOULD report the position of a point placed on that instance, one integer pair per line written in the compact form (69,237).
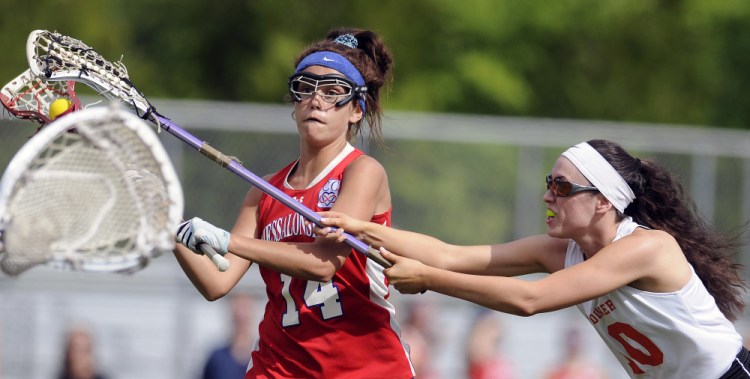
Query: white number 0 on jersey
(317,294)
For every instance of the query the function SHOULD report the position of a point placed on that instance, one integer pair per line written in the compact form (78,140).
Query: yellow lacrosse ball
(59,107)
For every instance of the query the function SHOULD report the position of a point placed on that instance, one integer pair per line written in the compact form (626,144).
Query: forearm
(310,261)
(507,295)
(426,249)
(206,278)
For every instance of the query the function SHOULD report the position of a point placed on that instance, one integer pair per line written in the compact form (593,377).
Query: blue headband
(337,62)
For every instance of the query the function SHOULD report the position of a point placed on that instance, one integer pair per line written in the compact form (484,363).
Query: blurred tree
(670,61)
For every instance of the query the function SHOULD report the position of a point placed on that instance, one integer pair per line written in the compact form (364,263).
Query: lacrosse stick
(104,198)
(29,97)
(59,57)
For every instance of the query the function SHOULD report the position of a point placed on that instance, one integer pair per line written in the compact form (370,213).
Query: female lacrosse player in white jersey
(327,315)
(623,244)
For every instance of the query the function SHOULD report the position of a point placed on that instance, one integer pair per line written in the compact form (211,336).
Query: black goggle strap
(359,92)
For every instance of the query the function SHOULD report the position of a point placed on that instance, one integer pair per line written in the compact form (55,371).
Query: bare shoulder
(364,190)
(366,170)
(366,163)
(650,240)
(663,265)
(643,247)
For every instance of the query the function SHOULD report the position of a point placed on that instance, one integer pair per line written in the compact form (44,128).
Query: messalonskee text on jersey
(292,224)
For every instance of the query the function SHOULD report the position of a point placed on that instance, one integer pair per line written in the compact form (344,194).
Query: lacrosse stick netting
(29,97)
(59,57)
(93,191)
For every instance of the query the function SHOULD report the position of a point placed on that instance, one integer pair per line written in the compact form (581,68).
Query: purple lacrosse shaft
(257,181)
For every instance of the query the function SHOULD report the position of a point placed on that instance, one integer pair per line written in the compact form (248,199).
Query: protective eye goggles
(563,188)
(333,89)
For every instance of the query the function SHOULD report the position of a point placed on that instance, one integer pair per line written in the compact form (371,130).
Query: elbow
(317,270)
(325,265)
(322,272)
(327,274)
(531,306)
(213,294)
(525,311)
(525,306)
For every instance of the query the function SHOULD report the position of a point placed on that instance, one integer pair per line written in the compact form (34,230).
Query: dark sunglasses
(563,188)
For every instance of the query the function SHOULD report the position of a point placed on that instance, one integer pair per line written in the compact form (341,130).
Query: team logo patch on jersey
(329,193)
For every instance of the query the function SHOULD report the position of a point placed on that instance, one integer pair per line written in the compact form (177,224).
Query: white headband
(601,174)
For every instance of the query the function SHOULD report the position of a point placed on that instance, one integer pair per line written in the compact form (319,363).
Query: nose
(316,100)
(548,196)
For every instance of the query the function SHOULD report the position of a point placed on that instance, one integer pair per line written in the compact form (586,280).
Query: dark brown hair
(373,60)
(662,203)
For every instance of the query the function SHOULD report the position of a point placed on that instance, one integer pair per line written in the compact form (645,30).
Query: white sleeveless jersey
(675,335)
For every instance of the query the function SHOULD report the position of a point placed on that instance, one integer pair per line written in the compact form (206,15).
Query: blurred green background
(669,61)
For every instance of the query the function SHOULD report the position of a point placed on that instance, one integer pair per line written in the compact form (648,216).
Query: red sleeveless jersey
(341,329)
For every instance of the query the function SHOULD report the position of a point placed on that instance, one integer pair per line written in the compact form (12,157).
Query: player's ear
(603,205)
(356,113)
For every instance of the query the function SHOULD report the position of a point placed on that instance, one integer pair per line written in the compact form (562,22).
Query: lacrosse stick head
(29,97)
(57,57)
(92,191)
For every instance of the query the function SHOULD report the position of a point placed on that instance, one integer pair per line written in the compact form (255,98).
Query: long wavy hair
(662,203)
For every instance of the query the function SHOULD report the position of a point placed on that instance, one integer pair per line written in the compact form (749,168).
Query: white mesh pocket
(96,193)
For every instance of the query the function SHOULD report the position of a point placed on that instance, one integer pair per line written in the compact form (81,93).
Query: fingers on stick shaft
(377,257)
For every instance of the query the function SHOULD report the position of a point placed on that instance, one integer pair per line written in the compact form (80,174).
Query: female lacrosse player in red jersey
(623,244)
(327,314)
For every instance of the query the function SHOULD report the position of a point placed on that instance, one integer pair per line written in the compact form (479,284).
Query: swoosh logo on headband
(326,59)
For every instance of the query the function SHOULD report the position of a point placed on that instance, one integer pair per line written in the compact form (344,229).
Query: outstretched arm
(508,295)
(648,260)
(528,255)
(422,247)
